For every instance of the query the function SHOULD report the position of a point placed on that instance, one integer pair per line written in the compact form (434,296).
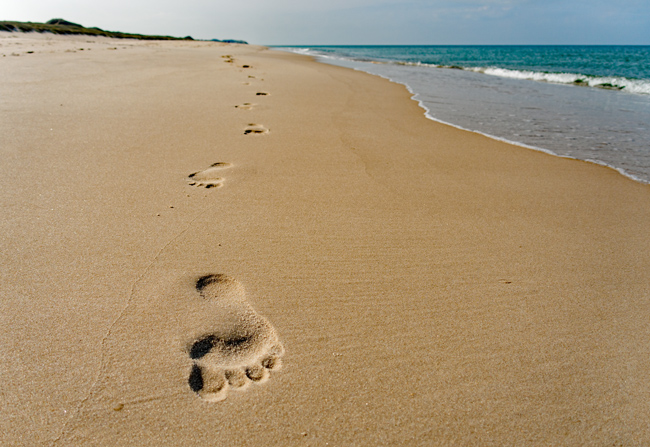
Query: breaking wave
(620,83)
(638,86)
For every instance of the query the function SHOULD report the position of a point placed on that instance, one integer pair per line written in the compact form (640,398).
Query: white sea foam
(637,86)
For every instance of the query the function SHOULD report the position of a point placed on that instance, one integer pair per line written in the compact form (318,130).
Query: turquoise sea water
(585,102)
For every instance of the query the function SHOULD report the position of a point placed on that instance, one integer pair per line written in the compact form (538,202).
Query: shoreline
(634,172)
(428,114)
(183,217)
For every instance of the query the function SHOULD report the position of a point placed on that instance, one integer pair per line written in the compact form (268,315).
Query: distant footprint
(209,178)
(241,348)
(255,129)
(262,94)
(246,106)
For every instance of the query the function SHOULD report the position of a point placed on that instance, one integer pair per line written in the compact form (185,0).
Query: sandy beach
(215,245)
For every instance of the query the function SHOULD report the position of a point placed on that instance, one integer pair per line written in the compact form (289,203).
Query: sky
(358,22)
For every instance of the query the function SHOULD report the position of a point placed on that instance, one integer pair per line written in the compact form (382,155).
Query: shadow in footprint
(209,178)
(243,351)
(196,379)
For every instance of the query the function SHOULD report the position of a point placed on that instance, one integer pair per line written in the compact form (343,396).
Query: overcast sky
(287,22)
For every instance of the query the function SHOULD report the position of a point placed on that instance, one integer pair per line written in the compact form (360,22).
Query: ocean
(586,102)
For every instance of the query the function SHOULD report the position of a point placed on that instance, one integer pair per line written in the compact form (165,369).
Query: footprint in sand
(246,106)
(241,348)
(262,94)
(255,129)
(209,178)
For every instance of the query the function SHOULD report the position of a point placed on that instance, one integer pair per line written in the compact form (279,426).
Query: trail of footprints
(252,128)
(244,349)
(210,177)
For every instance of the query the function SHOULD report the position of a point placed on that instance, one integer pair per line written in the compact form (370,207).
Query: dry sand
(420,285)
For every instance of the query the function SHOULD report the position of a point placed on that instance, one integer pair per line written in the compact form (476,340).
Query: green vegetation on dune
(60,26)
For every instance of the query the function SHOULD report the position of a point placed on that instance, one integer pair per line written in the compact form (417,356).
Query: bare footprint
(242,347)
(209,178)
(262,94)
(255,129)
(246,106)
